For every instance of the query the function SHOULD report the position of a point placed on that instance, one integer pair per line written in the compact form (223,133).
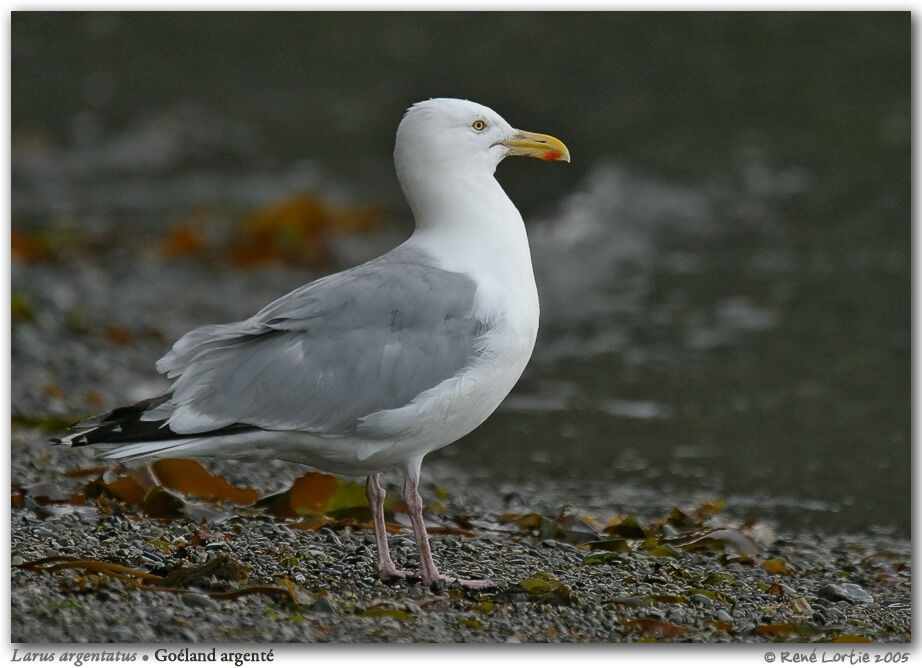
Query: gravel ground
(804,588)
(87,331)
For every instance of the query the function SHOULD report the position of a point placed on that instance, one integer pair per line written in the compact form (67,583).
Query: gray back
(329,353)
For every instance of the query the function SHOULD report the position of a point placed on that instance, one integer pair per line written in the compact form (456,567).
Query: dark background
(724,267)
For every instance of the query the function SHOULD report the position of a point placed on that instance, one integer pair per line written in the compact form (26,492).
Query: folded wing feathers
(318,359)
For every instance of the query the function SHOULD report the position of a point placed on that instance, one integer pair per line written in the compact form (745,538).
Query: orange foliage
(182,240)
(296,231)
(189,477)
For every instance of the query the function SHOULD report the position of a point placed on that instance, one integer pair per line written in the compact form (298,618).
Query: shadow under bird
(372,368)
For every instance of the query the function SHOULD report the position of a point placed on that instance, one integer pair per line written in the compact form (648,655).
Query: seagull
(370,369)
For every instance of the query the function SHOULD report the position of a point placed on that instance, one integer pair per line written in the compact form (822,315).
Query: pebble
(322,605)
(331,536)
(833,614)
(845,591)
(550,542)
(196,600)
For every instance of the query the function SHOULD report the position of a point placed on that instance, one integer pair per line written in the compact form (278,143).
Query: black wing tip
(122,424)
(70,441)
(126,425)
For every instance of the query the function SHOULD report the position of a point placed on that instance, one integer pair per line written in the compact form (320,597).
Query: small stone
(330,536)
(845,591)
(833,613)
(196,600)
(122,634)
(668,531)
(788,591)
(322,605)
(724,616)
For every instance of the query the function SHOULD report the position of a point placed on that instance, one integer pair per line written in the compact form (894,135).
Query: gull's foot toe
(391,573)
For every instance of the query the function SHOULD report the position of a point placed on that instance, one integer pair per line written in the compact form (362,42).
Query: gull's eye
(479,125)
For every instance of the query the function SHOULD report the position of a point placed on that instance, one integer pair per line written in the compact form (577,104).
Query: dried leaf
(347,496)
(626,527)
(657,548)
(576,527)
(321,500)
(800,604)
(711,594)
(717,539)
(119,335)
(569,527)
(686,518)
(160,502)
(222,567)
(204,536)
(21,307)
(851,638)
(53,391)
(127,489)
(399,615)
(189,477)
(538,525)
(784,628)
(93,399)
(776,567)
(542,586)
(182,240)
(605,558)
(28,247)
(719,577)
(708,509)
(43,244)
(147,580)
(611,545)
(60,562)
(723,626)
(296,231)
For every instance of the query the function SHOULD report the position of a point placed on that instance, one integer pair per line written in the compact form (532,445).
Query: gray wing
(328,354)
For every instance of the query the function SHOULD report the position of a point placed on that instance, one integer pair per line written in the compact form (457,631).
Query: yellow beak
(536,145)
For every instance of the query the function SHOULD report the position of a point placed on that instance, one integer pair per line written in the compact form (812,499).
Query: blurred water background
(724,268)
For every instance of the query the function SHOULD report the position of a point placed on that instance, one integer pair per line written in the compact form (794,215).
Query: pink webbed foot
(390,573)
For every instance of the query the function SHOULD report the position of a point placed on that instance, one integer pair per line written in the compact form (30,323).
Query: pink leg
(427,566)
(375,493)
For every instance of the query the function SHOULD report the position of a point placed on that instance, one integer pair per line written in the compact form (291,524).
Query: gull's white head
(446,135)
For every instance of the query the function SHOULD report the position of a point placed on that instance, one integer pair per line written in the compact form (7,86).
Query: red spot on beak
(551,155)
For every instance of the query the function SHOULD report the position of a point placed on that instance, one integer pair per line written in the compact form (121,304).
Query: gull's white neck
(468,224)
